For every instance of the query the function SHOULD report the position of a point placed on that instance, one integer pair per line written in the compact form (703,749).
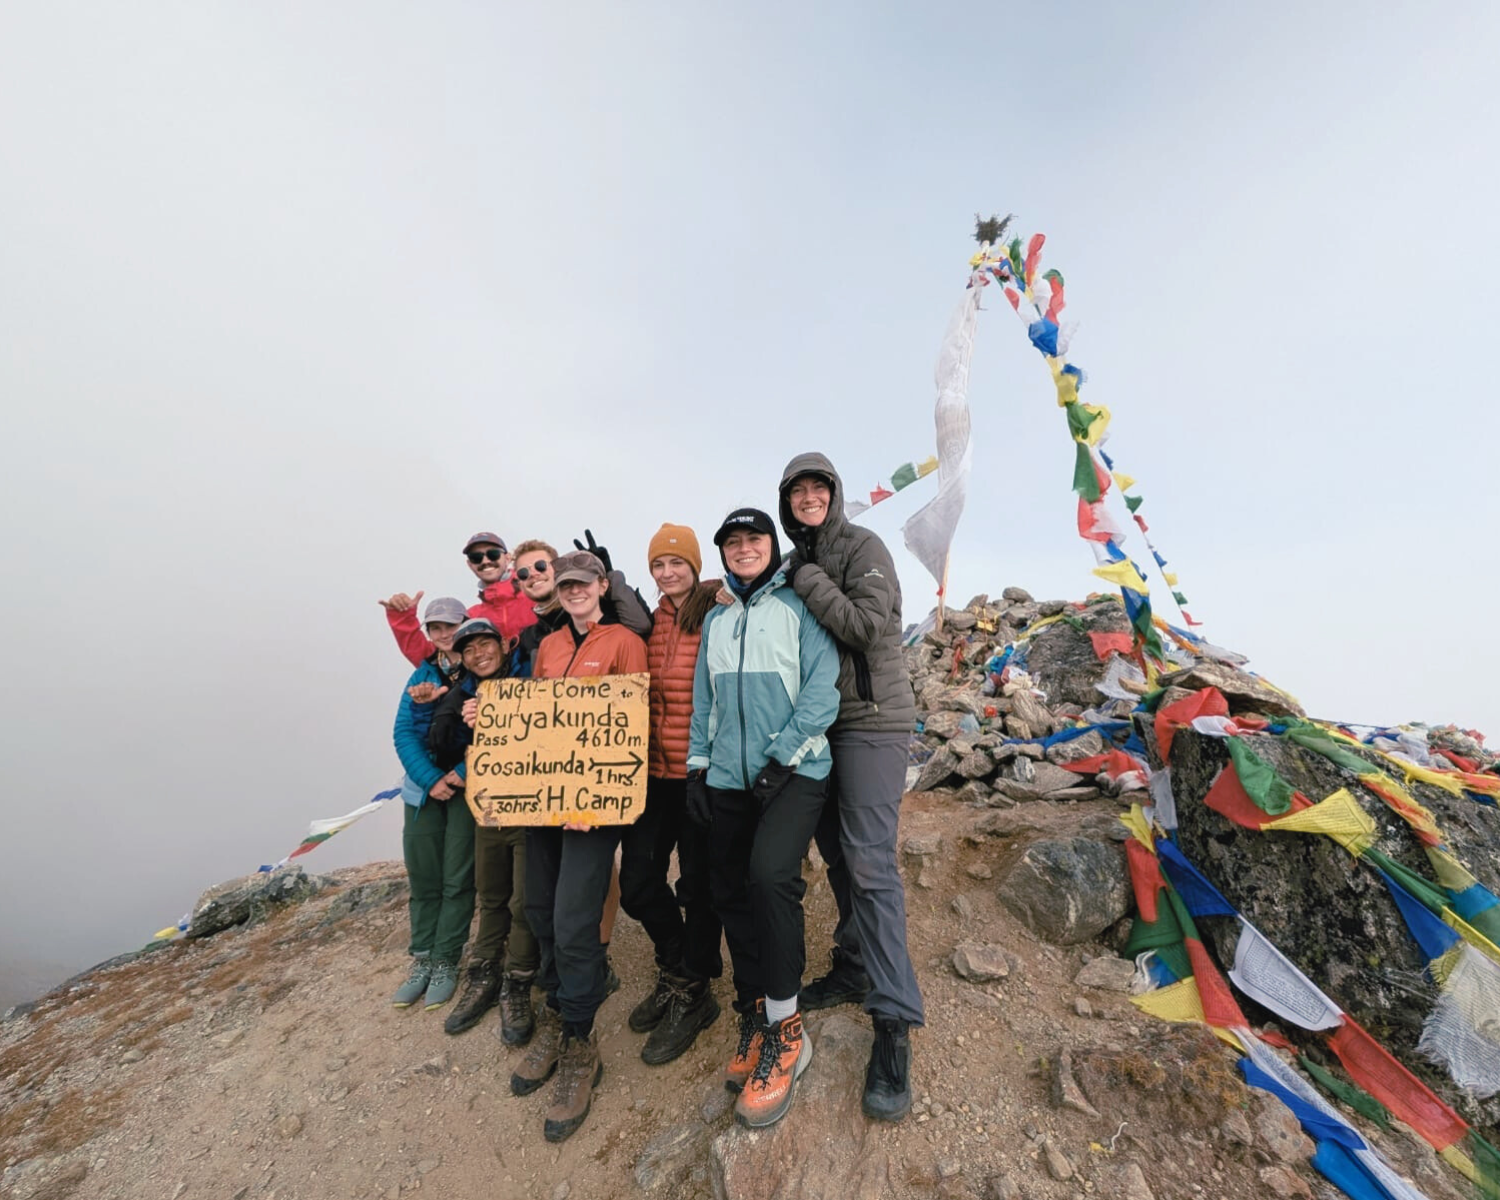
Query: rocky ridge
(258,1057)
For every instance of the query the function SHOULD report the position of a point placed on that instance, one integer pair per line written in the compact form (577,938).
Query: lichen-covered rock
(1328,913)
(1068,890)
(1244,691)
(250,899)
(1062,658)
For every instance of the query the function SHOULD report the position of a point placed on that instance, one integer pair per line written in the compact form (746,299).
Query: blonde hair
(531,544)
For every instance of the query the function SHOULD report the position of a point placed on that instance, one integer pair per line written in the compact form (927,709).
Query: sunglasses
(478,556)
(540,567)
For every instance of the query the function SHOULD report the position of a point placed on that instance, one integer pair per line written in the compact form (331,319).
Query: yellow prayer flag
(1123,481)
(1135,821)
(1170,577)
(1067,383)
(169,931)
(1471,935)
(1461,1163)
(1178,1002)
(927,466)
(1451,873)
(1339,816)
(1122,574)
(1446,781)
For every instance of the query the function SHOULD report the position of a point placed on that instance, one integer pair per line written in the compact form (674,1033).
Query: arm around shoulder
(857,609)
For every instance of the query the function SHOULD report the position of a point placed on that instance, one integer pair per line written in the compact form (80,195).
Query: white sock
(780,1010)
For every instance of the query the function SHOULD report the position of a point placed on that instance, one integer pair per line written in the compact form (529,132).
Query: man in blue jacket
(764,694)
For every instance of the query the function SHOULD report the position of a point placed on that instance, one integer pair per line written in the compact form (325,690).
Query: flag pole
(943,592)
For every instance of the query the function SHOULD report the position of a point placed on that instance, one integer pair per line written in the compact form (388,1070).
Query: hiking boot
(785,1051)
(415,986)
(541,1060)
(647,1015)
(611,980)
(578,1073)
(690,1007)
(747,1051)
(481,990)
(845,983)
(888,1077)
(516,1019)
(442,985)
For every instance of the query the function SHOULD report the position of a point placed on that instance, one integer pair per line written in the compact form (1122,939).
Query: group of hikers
(780,714)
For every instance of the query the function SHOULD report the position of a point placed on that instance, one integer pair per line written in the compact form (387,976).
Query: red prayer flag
(1106,644)
(1033,255)
(1371,1066)
(1145,878)
(1206,702)
(1219,1008)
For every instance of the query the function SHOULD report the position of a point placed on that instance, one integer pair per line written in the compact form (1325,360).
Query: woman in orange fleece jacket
(568,869)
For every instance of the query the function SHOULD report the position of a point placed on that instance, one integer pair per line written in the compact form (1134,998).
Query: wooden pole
(943,592)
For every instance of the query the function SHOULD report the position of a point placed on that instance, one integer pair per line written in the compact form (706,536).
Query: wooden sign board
(549,751)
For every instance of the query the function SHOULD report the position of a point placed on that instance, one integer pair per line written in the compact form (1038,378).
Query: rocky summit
(258,1056)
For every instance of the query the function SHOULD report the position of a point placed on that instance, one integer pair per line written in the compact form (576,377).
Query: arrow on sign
(635,763)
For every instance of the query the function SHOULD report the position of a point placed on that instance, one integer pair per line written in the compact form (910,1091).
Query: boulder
(1068,890)
(936,770)
(1330,915)
(1087,746)
(980,963)
(1062,659)
(976,765)
(1106,974)
(251,899)
(944,724)
(1244,691)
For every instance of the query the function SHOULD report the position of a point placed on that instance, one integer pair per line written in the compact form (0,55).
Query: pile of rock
(1001,678)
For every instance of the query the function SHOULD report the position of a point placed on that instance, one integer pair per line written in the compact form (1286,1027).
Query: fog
(293,298)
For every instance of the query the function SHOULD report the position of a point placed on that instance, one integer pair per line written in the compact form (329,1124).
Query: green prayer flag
(1079,420)
(1429,894)
(1053,276)
(905,475)
(1180,598)
(1487,921)
(1312,738)
(1133,502)
(1085,480)
(1487,1162)
(1272,794)
(1355,1097)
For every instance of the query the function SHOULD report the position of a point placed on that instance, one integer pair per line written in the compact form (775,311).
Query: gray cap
(446,609)
(477,628)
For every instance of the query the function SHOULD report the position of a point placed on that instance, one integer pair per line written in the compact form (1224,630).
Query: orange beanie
(678,540)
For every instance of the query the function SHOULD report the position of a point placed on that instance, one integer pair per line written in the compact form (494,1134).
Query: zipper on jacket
(740,684)
(862,686)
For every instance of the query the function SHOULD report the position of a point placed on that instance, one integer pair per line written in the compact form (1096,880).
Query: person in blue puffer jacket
(437,837)
(764,694)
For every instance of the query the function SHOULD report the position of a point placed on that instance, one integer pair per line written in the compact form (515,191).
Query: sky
(294,298)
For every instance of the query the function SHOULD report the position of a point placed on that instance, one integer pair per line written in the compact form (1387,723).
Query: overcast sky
(294,297)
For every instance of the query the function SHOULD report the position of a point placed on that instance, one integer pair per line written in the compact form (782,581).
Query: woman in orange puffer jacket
(686,938)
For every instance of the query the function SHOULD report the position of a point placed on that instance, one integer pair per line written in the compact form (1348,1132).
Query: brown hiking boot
(541,1060)
(516,1019)
(578,1073)
(785,1052)
(747,1051)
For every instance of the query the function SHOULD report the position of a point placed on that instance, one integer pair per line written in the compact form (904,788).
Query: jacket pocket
(862,686)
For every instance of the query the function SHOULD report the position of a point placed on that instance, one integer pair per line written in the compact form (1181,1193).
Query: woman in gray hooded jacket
(845,576)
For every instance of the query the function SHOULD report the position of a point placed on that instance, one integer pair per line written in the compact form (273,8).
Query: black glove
(699,811)
(795,561)
(772,779)
(595,549)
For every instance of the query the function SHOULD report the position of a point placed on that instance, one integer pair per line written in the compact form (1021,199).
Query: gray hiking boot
(443,984)
(416,982)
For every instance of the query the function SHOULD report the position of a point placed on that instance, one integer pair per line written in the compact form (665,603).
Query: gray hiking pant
(857,839)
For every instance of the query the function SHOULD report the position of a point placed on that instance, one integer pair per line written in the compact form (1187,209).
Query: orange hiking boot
(747,1052)
(785,1052)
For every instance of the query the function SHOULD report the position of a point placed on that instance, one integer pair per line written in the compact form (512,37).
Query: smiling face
(491,562)
(582,600)
(674,576)
(483,656)
(538,584)
(809,498)
(747,552)
(441,633)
